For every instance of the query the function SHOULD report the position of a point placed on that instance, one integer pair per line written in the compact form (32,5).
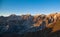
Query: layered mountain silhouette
(30,26)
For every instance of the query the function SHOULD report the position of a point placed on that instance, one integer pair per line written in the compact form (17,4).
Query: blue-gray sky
(18,7)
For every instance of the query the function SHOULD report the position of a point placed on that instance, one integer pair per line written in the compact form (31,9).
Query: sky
(19,7)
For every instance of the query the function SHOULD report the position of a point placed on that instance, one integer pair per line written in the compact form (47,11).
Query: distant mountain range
(27,23)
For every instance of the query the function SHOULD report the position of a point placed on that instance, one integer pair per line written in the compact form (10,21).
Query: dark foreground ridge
(30,26)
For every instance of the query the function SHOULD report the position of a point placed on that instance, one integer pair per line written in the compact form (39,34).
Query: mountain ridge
(28,23)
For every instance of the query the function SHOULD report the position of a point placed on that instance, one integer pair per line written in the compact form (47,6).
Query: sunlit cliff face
(50,20)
